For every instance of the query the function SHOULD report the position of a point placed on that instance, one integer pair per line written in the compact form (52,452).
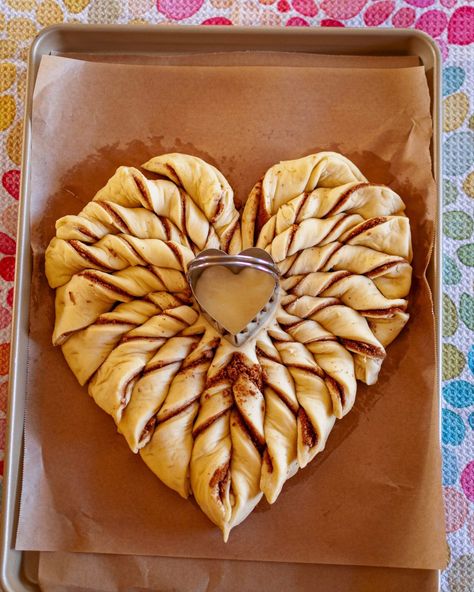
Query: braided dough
(229,425)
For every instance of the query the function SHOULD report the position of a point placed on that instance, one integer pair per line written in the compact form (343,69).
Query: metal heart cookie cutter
(253,258)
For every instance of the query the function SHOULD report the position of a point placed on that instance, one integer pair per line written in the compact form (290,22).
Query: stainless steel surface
(212,257)
(18,570)
(253,258)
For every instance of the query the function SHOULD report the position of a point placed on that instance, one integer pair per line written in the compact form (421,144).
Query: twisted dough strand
(208,188)
(391,274)
(332,357)
(91,293)
(315,418)
(365,199)
(388,234)
(87,349)
(168,452)
(131,202)
(357,291)
(226,459)
(112,253)
(287,180)
(151,389)
(280,426)
(113,383)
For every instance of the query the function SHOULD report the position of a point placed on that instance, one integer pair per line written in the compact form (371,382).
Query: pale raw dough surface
(230,424)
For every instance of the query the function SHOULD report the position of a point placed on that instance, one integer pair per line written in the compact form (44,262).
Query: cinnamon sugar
(364,226)
(92,277)
(87,255)
(218,212)
(366,349)
(309,436)
(385,267)
(220,479)
(345,196)
(383,312)
(143,190)
(268,461)
(262,215)
(176,252)
(86,232)
(118,220)
(248,429)
(239,367)
(337,388)
(148,430)
(203,426)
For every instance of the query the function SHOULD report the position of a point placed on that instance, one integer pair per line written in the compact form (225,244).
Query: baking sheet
(78,572)
(248,118)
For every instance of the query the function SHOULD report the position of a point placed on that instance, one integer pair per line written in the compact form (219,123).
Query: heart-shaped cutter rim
(254,258)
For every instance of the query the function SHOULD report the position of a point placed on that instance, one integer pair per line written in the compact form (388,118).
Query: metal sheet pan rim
(11,578)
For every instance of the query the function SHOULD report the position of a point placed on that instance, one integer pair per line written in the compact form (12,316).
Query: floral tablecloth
(451,23)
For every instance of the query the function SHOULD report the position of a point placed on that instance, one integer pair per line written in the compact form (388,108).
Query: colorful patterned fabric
(451,23)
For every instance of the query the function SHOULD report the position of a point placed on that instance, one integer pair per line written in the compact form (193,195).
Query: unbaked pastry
(229,424)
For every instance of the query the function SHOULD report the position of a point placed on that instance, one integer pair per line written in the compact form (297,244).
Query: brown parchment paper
(252,58)
(374,496)
(80,572)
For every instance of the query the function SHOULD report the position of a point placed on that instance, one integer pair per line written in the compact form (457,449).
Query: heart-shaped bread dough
(223,423)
